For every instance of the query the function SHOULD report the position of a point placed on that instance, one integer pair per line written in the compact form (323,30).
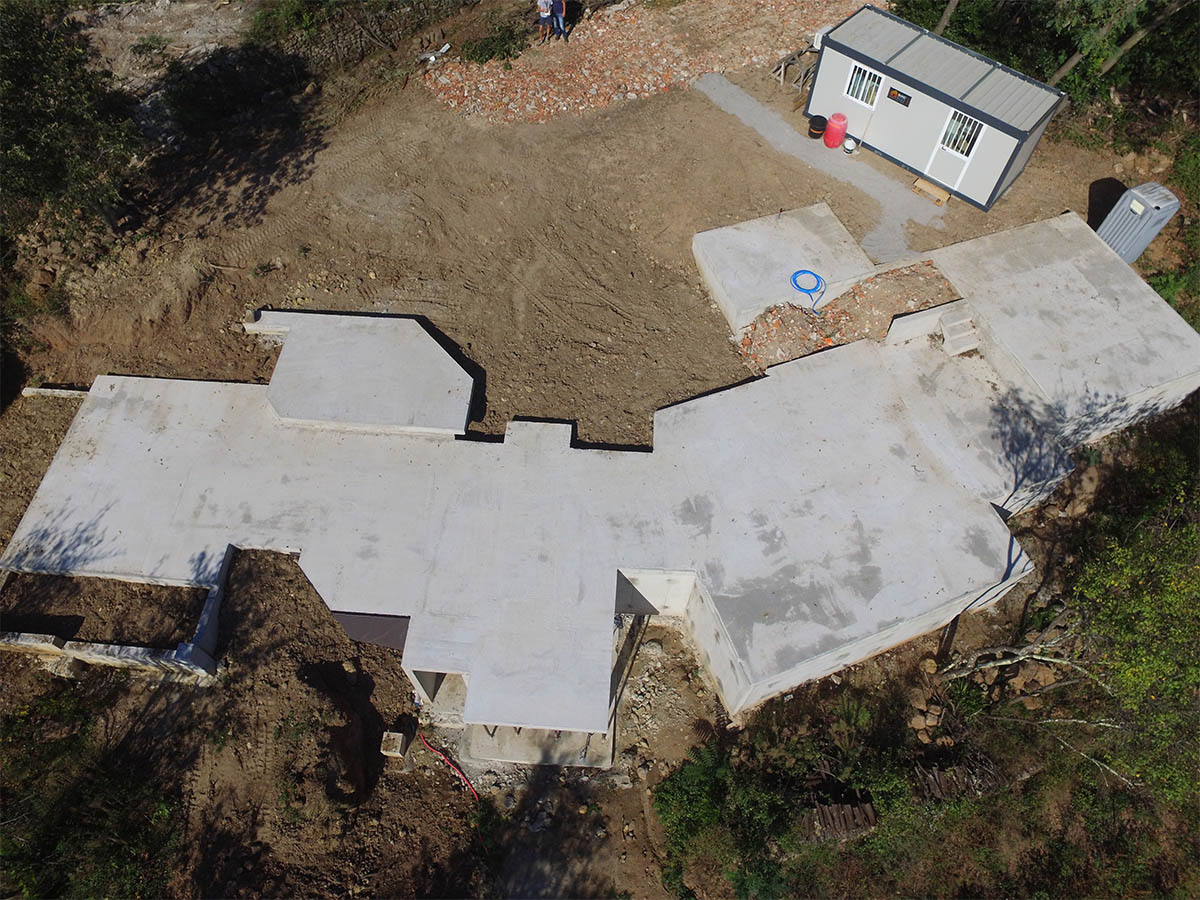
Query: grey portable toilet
(1137,219)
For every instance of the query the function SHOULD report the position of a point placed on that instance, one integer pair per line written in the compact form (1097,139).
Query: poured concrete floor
(836,507)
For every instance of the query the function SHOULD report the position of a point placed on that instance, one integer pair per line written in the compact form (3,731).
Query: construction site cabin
(943,112)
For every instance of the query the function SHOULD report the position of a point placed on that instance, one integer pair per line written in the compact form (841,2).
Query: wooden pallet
(937,194)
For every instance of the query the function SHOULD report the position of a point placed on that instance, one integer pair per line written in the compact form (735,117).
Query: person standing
(544,20)
(559,13)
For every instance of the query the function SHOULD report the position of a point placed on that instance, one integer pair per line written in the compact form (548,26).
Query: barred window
(863,86)
(961,133)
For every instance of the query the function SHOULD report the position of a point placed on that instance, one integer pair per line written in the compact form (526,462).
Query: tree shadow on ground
(354,746)
(245,117)
(541,847)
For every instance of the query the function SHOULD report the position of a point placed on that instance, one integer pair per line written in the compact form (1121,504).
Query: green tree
(1137,592)
(66,136)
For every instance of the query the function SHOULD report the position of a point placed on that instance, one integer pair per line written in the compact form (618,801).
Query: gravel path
(631,51)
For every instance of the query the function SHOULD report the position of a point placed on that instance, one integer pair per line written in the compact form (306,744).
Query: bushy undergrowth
(1136,590)
(506,38)
(80,820)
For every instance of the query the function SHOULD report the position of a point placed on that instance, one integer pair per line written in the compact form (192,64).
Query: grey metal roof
(932,61)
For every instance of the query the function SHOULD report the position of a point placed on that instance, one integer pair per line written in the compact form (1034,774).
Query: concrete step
(958,332)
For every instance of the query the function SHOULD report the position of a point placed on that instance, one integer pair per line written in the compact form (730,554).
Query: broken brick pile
(631,51)
(787,332)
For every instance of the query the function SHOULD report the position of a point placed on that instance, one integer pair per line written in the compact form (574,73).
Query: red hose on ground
(456,769)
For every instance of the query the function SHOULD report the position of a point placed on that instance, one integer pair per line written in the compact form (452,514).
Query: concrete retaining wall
(186,660)
(901,632)
(716,650)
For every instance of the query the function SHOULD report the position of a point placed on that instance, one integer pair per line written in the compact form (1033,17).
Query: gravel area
(631,51)
(865,311)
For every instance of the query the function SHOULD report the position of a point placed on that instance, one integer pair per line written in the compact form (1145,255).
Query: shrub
(1136,589)
(277,19)
(1187,168)
(80,821)
(67,138)
(690,799)
(506,39)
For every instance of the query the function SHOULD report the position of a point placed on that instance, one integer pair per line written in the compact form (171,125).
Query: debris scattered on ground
(788,332)
(631,51)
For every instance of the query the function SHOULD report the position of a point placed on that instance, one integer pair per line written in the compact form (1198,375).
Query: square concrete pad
(748,267)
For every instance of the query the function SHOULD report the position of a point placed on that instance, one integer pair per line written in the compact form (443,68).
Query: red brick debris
(865,311)
(632,51)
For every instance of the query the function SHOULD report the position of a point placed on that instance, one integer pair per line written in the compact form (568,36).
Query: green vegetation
(66,137)
(1135,592)
(278,19)
(152,45)
(1088,792)
(1180,285)
(1040,39)
(81,818)
(506,38)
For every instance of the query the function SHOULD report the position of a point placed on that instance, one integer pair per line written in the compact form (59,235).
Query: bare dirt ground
(109,612)
(557,256)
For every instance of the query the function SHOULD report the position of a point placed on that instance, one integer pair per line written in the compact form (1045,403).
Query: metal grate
(863,86)
(961,133)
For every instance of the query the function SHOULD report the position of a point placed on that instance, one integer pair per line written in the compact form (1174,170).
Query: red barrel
(835,131)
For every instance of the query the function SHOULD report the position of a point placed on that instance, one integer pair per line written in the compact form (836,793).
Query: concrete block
(919,324)
(26,642)
(748,267)
(395,744)
(958,331)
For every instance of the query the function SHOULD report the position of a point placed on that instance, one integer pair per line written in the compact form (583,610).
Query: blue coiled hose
(815,293)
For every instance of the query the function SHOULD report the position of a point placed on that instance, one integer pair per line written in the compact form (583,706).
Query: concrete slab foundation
(748,267)
(793,525)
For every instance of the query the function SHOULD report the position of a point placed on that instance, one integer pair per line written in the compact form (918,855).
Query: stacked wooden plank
(836,820)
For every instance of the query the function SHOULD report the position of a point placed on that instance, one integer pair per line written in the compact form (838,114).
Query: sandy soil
(31,429)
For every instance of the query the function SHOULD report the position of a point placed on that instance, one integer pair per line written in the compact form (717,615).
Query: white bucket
(850,145)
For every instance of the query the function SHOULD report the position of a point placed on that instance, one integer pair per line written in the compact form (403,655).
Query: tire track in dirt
(288,218)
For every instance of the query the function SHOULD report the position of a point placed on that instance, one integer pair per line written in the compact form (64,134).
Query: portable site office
(953,117)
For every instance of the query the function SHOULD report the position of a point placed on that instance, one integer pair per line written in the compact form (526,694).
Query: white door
(952,153)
